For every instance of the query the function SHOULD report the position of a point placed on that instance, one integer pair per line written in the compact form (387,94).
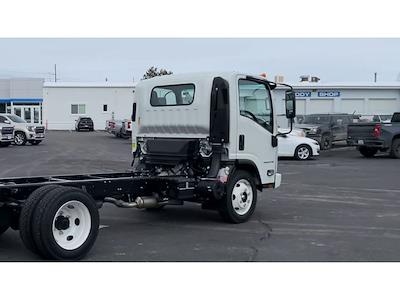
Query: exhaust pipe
(140,202)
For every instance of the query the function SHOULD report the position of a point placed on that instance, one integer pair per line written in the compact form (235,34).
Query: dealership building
(58,104)
(23,97)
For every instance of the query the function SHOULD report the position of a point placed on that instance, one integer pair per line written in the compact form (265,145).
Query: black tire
(395,150)
(35,142)
(368,152)
(225,205)
(44,220)
(326,142)
(19,138)
(303,152)
(5,144)
(26,216)
(5,219)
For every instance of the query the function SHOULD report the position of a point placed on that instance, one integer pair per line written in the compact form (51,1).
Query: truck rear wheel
(26,216)
(395,151)
(5,219)
(65,224)
(368,152)
(241,197)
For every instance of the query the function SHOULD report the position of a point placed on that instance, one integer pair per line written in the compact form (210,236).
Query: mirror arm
(284,133)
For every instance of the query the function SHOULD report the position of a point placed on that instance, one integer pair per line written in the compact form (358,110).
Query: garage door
(300,106)
(318,106)
(351,105)
(383,106)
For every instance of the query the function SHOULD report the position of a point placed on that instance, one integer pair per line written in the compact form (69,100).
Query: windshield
(255,103)
(315,119)
(16,119)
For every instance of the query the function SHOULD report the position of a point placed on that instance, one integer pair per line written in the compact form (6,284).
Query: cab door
(255,127)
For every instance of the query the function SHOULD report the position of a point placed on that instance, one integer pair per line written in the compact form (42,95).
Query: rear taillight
(129,125)
(377,130)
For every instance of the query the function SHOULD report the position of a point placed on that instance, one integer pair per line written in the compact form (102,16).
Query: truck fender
(250,167)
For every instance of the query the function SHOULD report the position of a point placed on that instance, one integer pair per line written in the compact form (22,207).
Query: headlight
(313,130)
(31,128)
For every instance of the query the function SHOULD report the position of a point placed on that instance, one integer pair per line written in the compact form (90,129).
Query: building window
(105,107)
(78,109)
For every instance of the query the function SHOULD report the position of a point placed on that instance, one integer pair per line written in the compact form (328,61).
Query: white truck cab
(212,126)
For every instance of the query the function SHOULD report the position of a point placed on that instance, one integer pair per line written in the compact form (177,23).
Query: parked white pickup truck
(23,131)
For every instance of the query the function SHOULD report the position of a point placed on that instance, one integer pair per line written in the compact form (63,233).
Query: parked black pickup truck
(373,137)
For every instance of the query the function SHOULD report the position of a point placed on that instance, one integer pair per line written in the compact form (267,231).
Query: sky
(125,60)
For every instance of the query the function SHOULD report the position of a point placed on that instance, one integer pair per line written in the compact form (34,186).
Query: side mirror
(290,101)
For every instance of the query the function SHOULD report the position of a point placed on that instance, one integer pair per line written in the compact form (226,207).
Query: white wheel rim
(303,153)
(242,197)
(71,225)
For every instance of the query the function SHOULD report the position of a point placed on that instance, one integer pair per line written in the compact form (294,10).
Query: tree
(153,72)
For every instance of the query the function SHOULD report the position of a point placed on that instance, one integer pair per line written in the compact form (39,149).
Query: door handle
(241,142)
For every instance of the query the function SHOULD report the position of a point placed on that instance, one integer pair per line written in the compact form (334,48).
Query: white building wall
(57,101)
(350,100)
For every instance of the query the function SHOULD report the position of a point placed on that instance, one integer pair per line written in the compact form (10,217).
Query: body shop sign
(329,94)
(301,94)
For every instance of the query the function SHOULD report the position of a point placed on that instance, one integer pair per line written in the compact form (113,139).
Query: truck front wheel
(65,224)
(395,151)
(368,152)
(241,197)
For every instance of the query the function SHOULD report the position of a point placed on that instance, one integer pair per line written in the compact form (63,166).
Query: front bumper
(6,138)
(32,136)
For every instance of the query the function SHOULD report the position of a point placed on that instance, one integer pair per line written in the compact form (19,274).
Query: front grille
(7,130)
(39,129)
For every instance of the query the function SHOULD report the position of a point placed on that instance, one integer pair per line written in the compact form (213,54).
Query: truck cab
(219,128)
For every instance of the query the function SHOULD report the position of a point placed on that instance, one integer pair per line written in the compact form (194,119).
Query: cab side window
(255,103)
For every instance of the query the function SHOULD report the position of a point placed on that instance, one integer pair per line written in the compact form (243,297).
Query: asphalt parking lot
(338,207)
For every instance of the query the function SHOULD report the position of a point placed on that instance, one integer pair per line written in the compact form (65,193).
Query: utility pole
(375,76)
(55,72)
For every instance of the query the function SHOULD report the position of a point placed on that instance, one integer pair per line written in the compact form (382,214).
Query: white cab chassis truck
(206,138)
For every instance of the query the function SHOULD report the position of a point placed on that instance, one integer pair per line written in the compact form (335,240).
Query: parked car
(296,145)
(126,131)
(326,128)
(23,131)
(376,136)
(120,128)
(84,123)
(6,132)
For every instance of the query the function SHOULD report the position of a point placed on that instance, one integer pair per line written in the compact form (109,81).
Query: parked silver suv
(6,132)
(23,131)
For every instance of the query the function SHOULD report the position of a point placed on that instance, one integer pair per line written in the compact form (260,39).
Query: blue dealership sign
(329,94)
